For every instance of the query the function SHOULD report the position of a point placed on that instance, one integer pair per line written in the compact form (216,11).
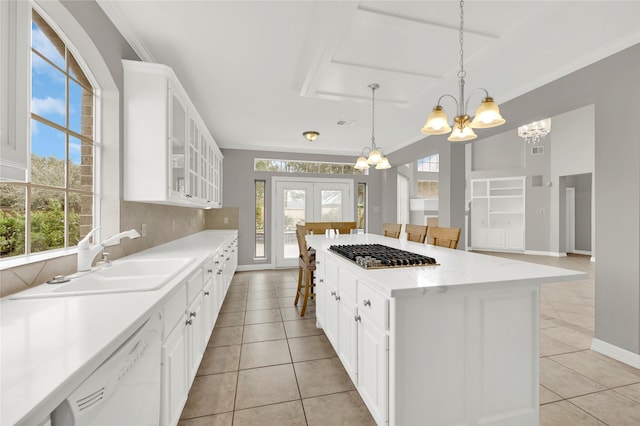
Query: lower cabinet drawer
(194,285)
(374,305)
(174,310)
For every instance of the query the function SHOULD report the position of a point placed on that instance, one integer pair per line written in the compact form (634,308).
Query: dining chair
(417,233)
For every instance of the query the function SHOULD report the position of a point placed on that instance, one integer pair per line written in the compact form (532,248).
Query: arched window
(54,206)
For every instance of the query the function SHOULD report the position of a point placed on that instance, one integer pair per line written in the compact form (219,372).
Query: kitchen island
(452,343)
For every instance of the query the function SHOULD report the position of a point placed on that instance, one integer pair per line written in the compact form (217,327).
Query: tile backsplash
(163,224)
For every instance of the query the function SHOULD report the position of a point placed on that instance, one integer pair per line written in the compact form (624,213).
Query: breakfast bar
(455,342)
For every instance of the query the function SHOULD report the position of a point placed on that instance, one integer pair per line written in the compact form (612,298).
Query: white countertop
(50,345)
(456,268)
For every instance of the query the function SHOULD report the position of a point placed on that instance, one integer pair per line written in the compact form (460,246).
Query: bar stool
(445,237)
(417,233)
(306,267)
(391,230)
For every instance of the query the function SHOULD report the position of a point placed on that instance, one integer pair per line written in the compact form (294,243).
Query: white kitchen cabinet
(169,155)
(498,213)
(210,304)
(189,318)
(356,329)
(373,367)
(195,335)
(174,373)
(348,323)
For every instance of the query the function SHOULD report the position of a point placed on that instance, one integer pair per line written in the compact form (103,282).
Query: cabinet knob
(192,314)
(219,271)
(317,262)
(189,196)
(206,293)
(189,322)
(210,271)
(337,298)
(321,280)
(333,293)
(357,318)
(366,302)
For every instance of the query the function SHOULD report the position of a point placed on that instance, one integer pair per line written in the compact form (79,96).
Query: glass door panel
(177,146)
(331,205)
(297,202)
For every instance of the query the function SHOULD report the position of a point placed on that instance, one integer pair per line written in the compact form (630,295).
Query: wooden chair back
(417,233)
(391,230)
(445,237)
(344,227)
(317,228)
(302,243)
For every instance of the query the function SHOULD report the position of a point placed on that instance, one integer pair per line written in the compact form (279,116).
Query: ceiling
(262,72)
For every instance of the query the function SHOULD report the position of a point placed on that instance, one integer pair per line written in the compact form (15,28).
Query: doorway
(299,200)
(570,219)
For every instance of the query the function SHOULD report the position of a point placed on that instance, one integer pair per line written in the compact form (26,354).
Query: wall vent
(537,150)
(346,123)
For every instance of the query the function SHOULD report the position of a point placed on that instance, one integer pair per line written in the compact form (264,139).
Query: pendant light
(487,115)
(374,155)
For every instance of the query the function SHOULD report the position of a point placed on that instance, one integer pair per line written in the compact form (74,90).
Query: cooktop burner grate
(376,256)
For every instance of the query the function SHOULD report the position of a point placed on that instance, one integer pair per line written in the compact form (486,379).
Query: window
(430,163)
(362,205)
(260,185)
(295,166)
(428,189)
(55,206)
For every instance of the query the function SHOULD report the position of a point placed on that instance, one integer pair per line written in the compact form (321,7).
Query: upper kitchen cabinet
(169,155)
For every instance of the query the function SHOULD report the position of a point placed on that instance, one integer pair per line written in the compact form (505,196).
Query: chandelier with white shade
(372,156)
(536,131)
(487,115)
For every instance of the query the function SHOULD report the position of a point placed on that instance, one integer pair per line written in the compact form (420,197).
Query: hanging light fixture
(374,155)
(536,131)
(311,135)
(487,115)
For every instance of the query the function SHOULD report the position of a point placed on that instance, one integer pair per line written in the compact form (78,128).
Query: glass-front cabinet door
(193,190)
(177,145)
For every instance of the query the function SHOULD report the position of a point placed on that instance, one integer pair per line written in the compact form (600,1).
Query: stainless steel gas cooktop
(376,256)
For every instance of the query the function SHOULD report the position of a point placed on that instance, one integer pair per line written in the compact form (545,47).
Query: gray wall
(239,186)
(617,192)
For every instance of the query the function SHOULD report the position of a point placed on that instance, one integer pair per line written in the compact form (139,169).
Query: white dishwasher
(124,390)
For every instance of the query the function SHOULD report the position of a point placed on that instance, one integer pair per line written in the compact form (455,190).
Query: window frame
(429,162)
(22,12)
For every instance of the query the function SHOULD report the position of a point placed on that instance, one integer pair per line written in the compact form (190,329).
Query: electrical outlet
(543,211)
(144,230)
(226,220)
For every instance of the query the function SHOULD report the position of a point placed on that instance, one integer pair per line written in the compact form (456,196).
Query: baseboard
(584,252)
(544,253)
(616,353)
(254,267)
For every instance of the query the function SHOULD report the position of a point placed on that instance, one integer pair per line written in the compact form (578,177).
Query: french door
(299,200)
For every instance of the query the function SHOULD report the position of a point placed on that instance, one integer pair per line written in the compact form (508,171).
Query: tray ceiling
(262,72)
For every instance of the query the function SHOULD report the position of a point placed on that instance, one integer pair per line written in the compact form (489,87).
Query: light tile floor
(265,365)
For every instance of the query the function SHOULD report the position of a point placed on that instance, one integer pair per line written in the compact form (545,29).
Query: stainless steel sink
(122,276)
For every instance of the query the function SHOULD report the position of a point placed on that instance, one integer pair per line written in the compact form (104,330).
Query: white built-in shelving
(498,213)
